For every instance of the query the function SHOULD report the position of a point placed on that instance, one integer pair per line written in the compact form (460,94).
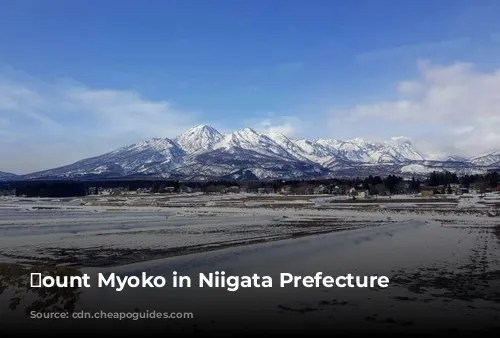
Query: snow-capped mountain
(487,160)
(202,152)
(249,139)
(360,150)
(7,176)
(237,162)
(154,156)
(455,158)
(198,139)
(242,154)
(332,152)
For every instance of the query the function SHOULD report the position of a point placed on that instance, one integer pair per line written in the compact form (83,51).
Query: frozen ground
(441,255)
(109,230)
(442,277)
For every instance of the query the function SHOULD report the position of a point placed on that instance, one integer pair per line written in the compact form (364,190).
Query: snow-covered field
(112,230)
(440,253)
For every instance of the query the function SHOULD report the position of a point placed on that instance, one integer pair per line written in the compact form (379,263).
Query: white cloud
(446,110)
(410,88)
(53,124)
(123,112)
(286,129)
(289,126)
(460,104)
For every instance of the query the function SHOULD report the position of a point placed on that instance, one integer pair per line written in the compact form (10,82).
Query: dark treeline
(445,178)
(51,189)
(375,185)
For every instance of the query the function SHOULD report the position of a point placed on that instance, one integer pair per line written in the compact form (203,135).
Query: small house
(321,190)
(455,188)
(429,190)
(143,190)
(92,191)
(8,192)
(340,189)
(363,194)
(265,190)
(169,190)
(185,190)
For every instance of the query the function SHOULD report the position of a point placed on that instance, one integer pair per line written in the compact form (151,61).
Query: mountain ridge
(4,175)
(202,152)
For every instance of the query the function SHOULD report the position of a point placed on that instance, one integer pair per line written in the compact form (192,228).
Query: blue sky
(81,78)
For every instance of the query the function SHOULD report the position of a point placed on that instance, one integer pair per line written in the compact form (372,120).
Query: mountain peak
(248,130)
(202,151)
(157,143)
(6,175)
(455,158)
(492,158)
(495,153)
(358,141)
(276,133)
(199,138)
(202,127)
(400,140)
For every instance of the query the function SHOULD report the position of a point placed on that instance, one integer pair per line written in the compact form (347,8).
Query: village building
(92,191)
(8,192)
(455,188)
(429,190)
(362,194)
(143,191)
(341,189)
(463,190)
(265,190)
(286,190)
(185,190)
(321,190)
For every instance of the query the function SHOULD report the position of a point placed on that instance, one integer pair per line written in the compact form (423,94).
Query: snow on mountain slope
(232,161)
(417,169)
(455,158)
(7,176)
(316,152)
(202,152)
(148,157)
(487,160)
(404,148)
(198,139)
(251,140)
(302,150)
(335,152)
(358,150)
(394,151)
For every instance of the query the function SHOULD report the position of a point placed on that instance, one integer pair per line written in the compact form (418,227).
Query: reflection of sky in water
(374,251)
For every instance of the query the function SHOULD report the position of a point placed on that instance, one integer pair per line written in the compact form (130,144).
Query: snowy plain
(111,230)
(440,253)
